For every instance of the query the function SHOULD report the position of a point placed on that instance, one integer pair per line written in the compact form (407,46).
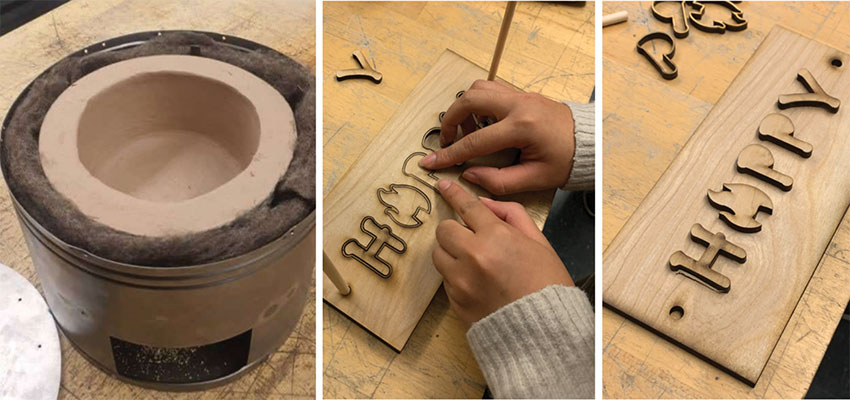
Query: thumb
(514,214)
(523,177)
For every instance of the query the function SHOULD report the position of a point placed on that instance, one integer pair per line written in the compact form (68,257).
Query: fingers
(457,299)
(514,214)
(482,142)
(482,102)
(471,210)
(445,264)
(492,85)
(448,129)
(453,237)
(452,272)
(467,126)
(517,178)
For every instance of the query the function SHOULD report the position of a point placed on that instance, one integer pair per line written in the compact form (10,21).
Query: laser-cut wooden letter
(431,139)
(816,97)
(757,161)
(381,237)
(778,129)
(364,72)
(700,270)
(412,169)
(678,18)
(736,22)
(738,204)
(409,209)
(665,65)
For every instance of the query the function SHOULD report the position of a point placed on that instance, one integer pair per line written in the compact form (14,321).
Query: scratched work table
(647,120)
(549,50)
(28,50)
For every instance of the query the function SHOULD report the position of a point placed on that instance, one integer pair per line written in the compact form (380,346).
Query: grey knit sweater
(583,172)
(541,346)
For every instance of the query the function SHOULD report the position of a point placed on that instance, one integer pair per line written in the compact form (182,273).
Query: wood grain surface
(385,212)
(288,27)
(646,122)
(783,234)
(549,50)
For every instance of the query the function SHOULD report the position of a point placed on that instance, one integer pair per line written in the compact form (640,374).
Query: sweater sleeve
(540,346)
(582,174)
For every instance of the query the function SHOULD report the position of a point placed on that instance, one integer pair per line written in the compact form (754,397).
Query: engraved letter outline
(391,210)
(377,255)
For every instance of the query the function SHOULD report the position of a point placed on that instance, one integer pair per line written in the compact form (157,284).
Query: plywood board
(739,328)
(390,307)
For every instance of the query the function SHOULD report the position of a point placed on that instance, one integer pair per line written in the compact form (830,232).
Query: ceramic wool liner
(289,202)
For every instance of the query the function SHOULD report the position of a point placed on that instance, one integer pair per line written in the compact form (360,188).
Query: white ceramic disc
(30,357)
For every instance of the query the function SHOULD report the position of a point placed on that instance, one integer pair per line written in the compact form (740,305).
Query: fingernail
(428,160)
(470,176)
(485,199)
(444,184)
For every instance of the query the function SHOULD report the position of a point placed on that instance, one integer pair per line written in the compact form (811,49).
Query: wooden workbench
(646,122)
(550,50)
(28,50)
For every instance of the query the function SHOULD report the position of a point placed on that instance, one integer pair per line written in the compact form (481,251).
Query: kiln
(165,183)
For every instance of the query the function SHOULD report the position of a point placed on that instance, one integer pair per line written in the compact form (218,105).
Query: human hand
(499,257)
(542,129)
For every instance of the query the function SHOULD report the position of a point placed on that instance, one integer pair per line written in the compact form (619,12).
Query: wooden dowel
(503,36)
(615,18)
(335,277)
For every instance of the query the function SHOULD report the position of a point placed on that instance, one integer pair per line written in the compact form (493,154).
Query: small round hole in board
(836,62)
(677,312)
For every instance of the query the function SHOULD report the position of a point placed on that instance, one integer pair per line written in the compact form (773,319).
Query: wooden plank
(649,133)
(387,195)
(739,329)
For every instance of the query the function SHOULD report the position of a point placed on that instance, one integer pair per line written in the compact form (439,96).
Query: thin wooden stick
(503,36)
(335,277)
(615,18)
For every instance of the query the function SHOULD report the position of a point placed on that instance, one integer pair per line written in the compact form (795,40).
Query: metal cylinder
(180,328)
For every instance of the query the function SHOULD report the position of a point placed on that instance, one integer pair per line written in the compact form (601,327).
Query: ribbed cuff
(540,346)
(583,173)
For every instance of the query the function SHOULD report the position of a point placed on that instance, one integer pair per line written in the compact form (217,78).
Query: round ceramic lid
(30,357)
